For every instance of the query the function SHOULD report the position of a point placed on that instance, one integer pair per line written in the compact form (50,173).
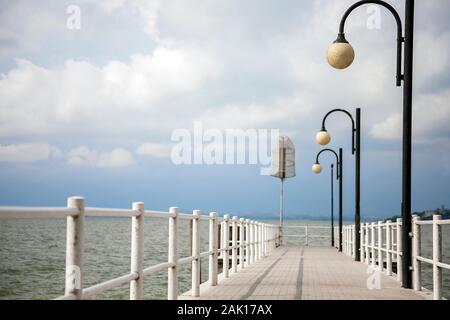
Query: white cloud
(80,156)
(391,128)
(38,100)
(83,156)
(146,10)
(28,152)
(25,26)
(430,121)
(157,150)
(274,75)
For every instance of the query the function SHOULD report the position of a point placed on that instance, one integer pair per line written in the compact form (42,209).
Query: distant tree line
(428,214)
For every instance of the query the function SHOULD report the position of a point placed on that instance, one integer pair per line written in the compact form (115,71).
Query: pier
(304,273)
(253,263)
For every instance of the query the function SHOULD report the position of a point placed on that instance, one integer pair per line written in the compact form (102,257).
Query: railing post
(261,238)
(247,242)
(437,257)
(306,236)
(351,240)
(367,244)
(172,278)
(392,246)
(241,242)
(372,233)
(345,240)
(264,227)
(272,233)
(272,238)
(196,253)
(388,249)
(226,238)
(399,249)
(417,277)
(137,252)
(222,242)
(361,242)
(234,234)
(252,241)
(213,247)
(75,249)
(263,231)
(380,246)
(258,240)
(269,238)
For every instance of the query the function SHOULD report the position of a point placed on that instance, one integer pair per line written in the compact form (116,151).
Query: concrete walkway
(304,273)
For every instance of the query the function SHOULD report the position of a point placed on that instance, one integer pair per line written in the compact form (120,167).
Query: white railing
(251,241)
(381,248)
(347,240)
(308,235)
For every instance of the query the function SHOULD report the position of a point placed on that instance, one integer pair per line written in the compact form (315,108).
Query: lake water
(32,255)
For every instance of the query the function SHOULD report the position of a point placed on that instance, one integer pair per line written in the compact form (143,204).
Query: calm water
(32,255)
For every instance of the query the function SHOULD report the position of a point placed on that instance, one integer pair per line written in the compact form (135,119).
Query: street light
(332,205)
(339,56)
(323,138)
(317,168)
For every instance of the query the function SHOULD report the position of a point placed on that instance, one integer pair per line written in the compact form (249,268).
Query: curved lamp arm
(353,125)
(337,159)
(400,38)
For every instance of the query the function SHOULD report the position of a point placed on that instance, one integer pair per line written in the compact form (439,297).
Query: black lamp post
(340,56)
(332,205)
(323,138)
(317,168)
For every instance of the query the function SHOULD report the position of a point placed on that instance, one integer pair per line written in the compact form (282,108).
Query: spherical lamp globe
(317,168)
(323,138)
(340,54)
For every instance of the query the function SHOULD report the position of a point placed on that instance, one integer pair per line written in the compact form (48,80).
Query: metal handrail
(381,242)
(254,241)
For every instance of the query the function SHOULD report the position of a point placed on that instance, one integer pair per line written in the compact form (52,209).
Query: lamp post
(283,167)
(332,205)
(323,138)
(317,169)
(341,55)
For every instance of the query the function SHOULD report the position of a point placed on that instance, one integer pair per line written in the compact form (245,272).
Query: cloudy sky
(90,111)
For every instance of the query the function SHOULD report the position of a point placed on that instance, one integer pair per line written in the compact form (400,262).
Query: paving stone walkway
(304,273)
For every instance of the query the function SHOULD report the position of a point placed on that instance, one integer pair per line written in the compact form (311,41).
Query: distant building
(428,214)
